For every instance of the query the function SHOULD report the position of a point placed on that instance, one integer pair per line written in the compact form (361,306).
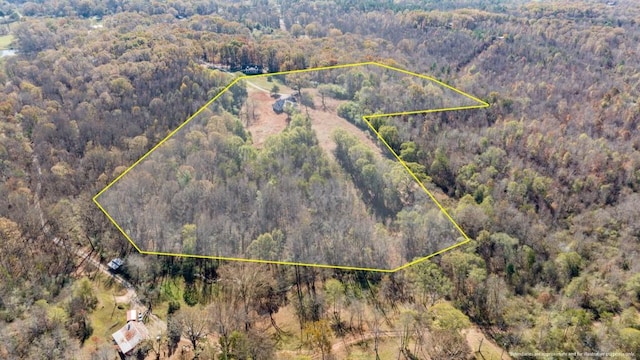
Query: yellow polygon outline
(481,104)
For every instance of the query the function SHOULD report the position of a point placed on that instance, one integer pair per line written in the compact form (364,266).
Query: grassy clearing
(263,82)
(5,41)
(108,316)
(160,310)
(170,289)
(387,349)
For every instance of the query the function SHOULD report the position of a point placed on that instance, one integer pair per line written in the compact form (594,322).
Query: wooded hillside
(545,181)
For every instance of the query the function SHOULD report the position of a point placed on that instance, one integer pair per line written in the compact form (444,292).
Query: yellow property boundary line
(480,104)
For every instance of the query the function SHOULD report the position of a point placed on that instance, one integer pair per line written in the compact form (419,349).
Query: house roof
(130,335)
(279,105)
(115,264)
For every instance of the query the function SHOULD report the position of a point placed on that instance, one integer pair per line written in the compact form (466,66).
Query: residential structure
(282,102)
(131,334)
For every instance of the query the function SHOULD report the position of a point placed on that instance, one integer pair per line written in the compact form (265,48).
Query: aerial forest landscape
(340,179)
(209,191)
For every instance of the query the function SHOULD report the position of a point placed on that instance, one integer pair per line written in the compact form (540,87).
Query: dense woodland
(209,191)
(545,181)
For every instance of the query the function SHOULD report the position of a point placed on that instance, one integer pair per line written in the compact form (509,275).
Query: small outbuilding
(115,264)
(132,315)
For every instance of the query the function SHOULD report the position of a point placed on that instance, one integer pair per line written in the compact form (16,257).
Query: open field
(264,122)
(5,41)
(109,316)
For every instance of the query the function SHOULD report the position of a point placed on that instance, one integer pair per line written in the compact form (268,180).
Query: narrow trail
(473,336)
(131,296)
(283,27)
(83,255)
(258,87)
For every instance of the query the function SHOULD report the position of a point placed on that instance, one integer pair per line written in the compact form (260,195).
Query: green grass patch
(262,81)
(107,318)
(5,41)
(172,289)
(160,310)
